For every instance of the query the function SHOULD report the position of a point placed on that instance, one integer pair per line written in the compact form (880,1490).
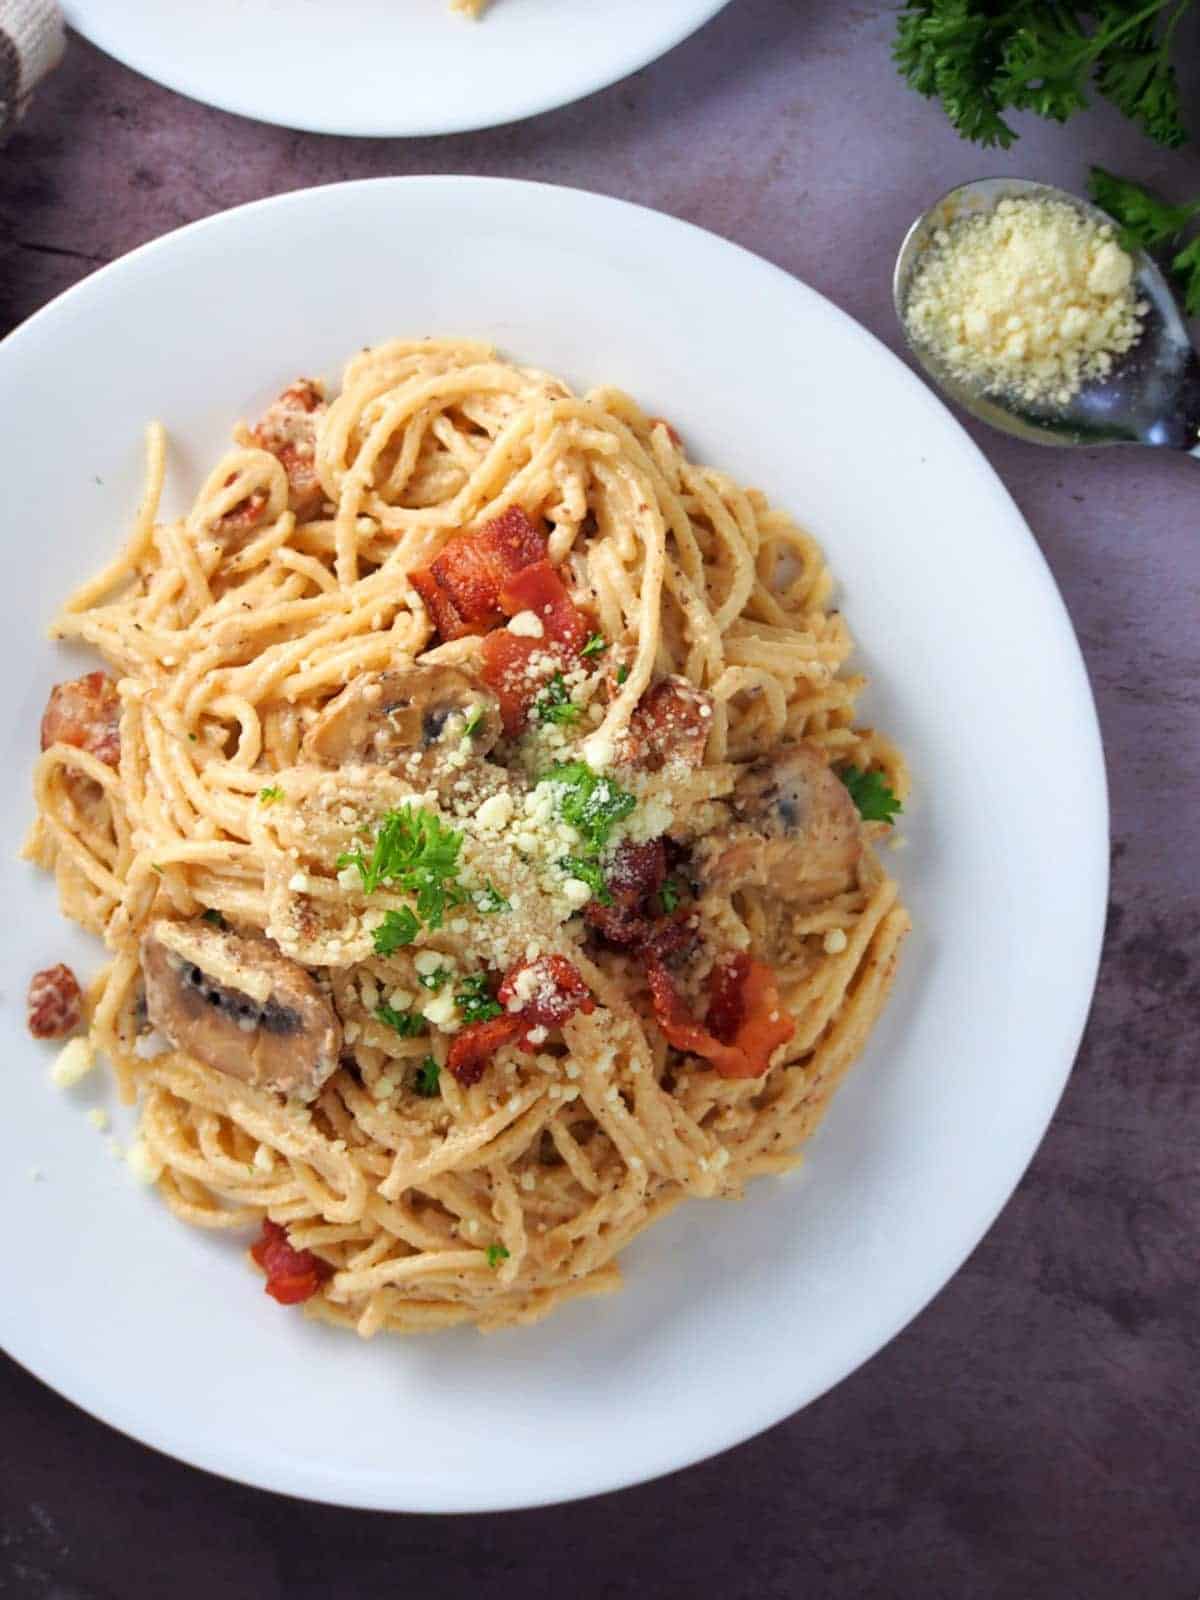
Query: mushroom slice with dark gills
(387,719)
(794,829)
(239,1006)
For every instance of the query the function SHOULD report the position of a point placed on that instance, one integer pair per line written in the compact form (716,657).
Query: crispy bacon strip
(292,1275)
(553,995)
(670,723)
(507,657)
(85,712)
(288,429)
(557,991)
(475,1046)
(636,873)
(54,1005)
(461,586)
(745,1022)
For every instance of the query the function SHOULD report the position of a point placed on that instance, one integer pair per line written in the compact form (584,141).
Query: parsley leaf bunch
(588,802)
(413,851)
(588,872)
(554,704)
(425,1079)
(871,794)
(1148,223)
(408,1024)
(983,58)
(474,999)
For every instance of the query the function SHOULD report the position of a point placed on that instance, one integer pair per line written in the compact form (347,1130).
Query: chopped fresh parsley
(193,738)
(213,917)
(489,900)
(473,723)
(596,646)
(1148,223)
(554,704)
(589,802)
(408,1024)
(433,981)
(425,1079)
(983,58)
(870,792)
(588,872)
(622,674)
(670,894)
(475,1000)
(496,1253)
(397,929)
(269,796)
(415,851)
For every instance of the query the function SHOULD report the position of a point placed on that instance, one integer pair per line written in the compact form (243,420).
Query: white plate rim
(235,1462)
(99,21)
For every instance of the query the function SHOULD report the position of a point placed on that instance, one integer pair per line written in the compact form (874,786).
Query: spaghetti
(469,824)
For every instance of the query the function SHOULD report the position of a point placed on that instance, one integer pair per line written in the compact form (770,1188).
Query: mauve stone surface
(1033,1435)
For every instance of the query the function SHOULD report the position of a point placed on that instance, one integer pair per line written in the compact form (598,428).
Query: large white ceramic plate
(734,1315)
(387,67)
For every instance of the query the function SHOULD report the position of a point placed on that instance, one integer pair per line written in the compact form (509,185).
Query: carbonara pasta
(478,827)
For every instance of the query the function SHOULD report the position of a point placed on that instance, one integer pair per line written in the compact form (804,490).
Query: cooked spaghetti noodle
(652,824)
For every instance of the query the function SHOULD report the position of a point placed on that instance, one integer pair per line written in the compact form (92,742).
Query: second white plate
(387,67)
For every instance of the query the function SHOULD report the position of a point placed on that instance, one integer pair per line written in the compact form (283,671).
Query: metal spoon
(1151,395)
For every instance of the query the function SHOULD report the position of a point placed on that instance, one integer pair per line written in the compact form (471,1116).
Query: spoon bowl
(1150,396)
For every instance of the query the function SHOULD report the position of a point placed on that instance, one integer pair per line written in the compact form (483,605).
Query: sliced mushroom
(386,718)
(794,830)
(240,1007)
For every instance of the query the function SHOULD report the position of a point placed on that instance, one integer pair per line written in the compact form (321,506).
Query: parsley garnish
(433,981)
(213,916)
(496,1253)
(588,872)
(596,646)
(473,722)
(425,1079)
(554,704)
(489,900)
(670,894)
(592,804)
(417,852)
(269,796)
(1148,223)
(622,674)
(406,1023)
(398,928)
(982,58)
(193,738)
(475,1000)
(870,792)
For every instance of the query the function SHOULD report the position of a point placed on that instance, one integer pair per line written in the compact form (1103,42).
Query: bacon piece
(54,1005)
(636,873)
(553,995)
(288,429)
(745,1022)
(478,1042)
(85,712)
(245,515)
(292,1275)
(461,586)
(671,723)
(507,657)
(540,589)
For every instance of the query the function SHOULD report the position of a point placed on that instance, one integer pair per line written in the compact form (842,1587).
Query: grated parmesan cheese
(1033,299)
(74,1061)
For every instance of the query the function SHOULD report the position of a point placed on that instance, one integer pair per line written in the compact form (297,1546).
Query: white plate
(733,1316)
(387,67)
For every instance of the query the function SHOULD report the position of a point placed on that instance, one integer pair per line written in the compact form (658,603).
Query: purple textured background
(1033,1435)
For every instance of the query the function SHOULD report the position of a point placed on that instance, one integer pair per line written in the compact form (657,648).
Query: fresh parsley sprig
(871,794)
(1148,223)
(554,704)
(408,1024)
(425,1079)
(984,58)
(397,929)
(588,872)
(474,999)
(416,852)
(588,801)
